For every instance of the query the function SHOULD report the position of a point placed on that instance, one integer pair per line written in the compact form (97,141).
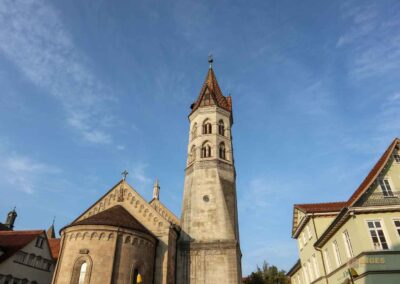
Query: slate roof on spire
(211,84)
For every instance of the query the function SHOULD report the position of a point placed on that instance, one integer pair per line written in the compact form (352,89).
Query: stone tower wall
(209,250)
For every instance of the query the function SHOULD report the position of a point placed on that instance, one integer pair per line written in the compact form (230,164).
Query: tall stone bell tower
(209,248)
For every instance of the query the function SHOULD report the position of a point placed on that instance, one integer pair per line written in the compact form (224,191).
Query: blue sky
(89,88)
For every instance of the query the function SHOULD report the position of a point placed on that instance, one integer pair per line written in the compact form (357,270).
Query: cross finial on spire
(124,174)
(210,60)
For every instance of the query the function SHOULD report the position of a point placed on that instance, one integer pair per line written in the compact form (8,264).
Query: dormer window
(39,242)
(386,188)
(397,158)
(207,128)
(221,128)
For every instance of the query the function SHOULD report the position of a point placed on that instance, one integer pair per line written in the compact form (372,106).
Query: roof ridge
(317,203)
(22,232)
(372,174)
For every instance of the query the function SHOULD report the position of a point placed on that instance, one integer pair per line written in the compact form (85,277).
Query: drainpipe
(322,255)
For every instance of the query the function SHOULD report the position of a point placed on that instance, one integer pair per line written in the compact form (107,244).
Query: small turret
(11,216)
(156,190)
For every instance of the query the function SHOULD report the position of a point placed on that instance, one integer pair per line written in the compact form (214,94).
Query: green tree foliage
(267,275)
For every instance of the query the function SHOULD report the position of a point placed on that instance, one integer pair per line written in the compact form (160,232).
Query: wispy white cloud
(35,39)
(373,40)
(23,173)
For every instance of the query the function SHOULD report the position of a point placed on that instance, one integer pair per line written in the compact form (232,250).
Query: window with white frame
(337,253)
(315,264)
(310,270)
(377,235)
(397,225)
(327,260)
(349,248)
(309,232)
(386,188)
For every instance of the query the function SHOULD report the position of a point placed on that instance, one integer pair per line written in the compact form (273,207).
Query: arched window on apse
(82,273)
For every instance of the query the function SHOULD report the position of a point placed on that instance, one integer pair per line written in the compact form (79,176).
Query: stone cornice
(212,163)
(212,245)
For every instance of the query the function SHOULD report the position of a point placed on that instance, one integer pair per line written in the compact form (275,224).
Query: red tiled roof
(211,84)
(374,172)
(320,207)
(116,216)
(13,241)
(337,206)
(54,247)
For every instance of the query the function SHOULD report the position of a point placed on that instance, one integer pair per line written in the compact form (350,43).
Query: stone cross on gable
(124,174)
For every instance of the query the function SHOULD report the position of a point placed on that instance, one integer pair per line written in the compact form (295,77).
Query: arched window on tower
(206,150)
(194,131)
(221,128)
(222,151)
(207,128)
(192,154)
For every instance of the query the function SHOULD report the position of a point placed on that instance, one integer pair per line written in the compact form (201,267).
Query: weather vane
(210,60)
(124,174)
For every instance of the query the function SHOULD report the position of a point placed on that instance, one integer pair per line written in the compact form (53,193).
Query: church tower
(209,249)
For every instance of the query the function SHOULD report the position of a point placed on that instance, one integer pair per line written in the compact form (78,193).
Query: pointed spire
(156,190)
(211,86)
(11,216)
(51,234)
